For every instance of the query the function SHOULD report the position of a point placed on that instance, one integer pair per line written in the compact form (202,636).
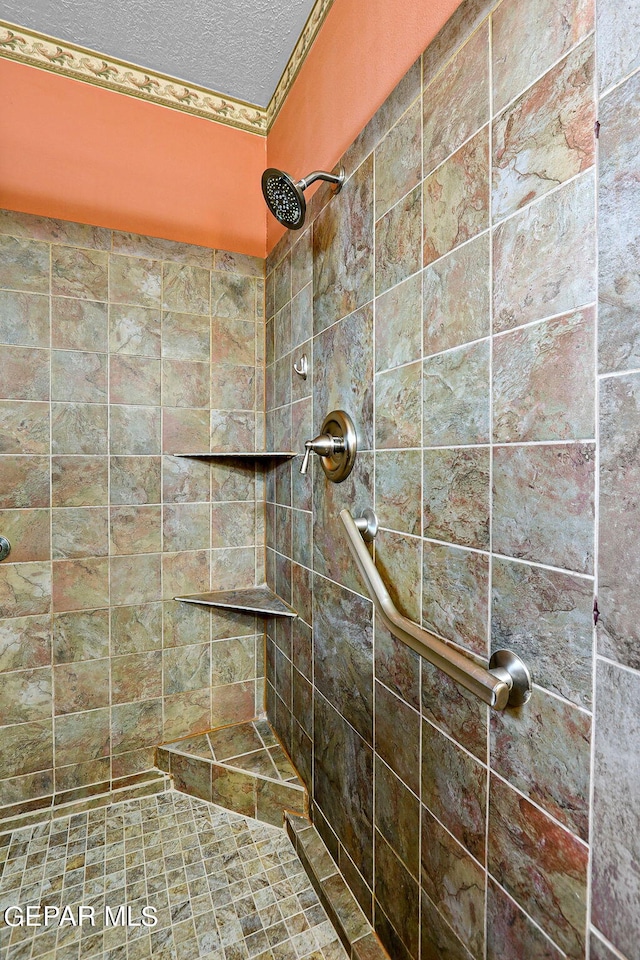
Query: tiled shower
(470,299)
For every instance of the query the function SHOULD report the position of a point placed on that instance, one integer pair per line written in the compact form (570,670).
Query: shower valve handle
(324,445)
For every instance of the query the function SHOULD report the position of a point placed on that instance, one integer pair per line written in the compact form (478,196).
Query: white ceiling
(238,48)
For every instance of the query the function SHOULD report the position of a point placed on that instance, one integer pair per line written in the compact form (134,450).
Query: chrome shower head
(285,196)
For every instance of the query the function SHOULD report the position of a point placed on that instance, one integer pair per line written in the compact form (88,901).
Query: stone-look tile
(282,332)
(544,751)
(133,280)
(456,397)
(135,579)
(134,330)
(456,496)
(546,617)
(135,529)
(541,865)
(455,710)
(80,635)
(456,199)
(185,288)
(399,896)
(454,882)
(618,41)
(184,384)
(397,333)
(302,316)
(94,773)
(456,297)
(397,813)
(136,677)
(231,568)
(24,790)
(343,363)
(184,481)
(79,273)
(134,380)
(618,226)
(25,695)
(26,747)
(398,407)
(25,265)
(343,778)
(399,560)
(190,776)
(454,107)
(81,686)
(615,819)
(398,160)
(301,537)
(437,938)
(185,526)
(619,468)
(233,660)
(234,790)
(136,725)
(510,931)
(529,38)
(226,261)
(137,628)
(24,482)
(134,430)
(185,336)
(79,481)
(28,533)
(233,342)
(397,737)
(282,283)
(543,504)
(399,490)
(232,702)
(24,319)
(543,381)
(184,429)
(79,532)
(531,279)
(25,373)
(30,226)
(25,642)
(78,376)
(397,240)
(80,584)
(79,428)
(135,479)
(186,668)
(546,136)
(454,789)
(396,665)
(233,429)
(82,736)
(186,572)
(343,653)
(187,624)
(301,262)
(342,252)
(24,427)
(455,595)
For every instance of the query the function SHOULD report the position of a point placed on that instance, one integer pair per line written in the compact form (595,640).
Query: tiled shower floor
(225,887)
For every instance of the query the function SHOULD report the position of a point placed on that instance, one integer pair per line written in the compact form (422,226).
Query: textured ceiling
(239,47)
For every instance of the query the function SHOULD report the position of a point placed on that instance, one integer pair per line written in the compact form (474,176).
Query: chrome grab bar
(507,681)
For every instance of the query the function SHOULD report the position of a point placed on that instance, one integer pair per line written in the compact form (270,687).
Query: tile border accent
(119,76)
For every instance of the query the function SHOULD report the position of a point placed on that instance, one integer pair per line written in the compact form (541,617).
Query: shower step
(241,767)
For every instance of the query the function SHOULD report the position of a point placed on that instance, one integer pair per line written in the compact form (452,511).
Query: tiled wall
(447,299)
(117,351)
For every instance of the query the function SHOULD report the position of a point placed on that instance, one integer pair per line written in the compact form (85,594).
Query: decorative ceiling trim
(305,41)
(79,63)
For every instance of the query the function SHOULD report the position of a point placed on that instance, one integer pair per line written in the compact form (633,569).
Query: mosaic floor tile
(223,887)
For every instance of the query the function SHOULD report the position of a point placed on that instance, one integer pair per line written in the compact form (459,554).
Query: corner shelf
(241,455)
(261,601)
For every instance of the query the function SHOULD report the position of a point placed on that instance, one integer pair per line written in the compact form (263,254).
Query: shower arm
(335,178)
(506,683)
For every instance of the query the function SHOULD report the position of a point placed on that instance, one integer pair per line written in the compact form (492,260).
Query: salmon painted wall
(362,51)
(78,152)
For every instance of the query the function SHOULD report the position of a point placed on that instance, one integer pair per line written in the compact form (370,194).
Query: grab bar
(507,681)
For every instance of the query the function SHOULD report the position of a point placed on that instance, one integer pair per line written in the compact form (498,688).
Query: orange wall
(78,152)
(363,49)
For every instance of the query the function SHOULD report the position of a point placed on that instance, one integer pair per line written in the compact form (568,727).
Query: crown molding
(300,51)
(79,63)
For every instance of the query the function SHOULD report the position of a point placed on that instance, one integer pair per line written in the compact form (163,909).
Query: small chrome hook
(303,369)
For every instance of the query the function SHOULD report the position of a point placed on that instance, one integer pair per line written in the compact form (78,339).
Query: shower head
(285,196)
